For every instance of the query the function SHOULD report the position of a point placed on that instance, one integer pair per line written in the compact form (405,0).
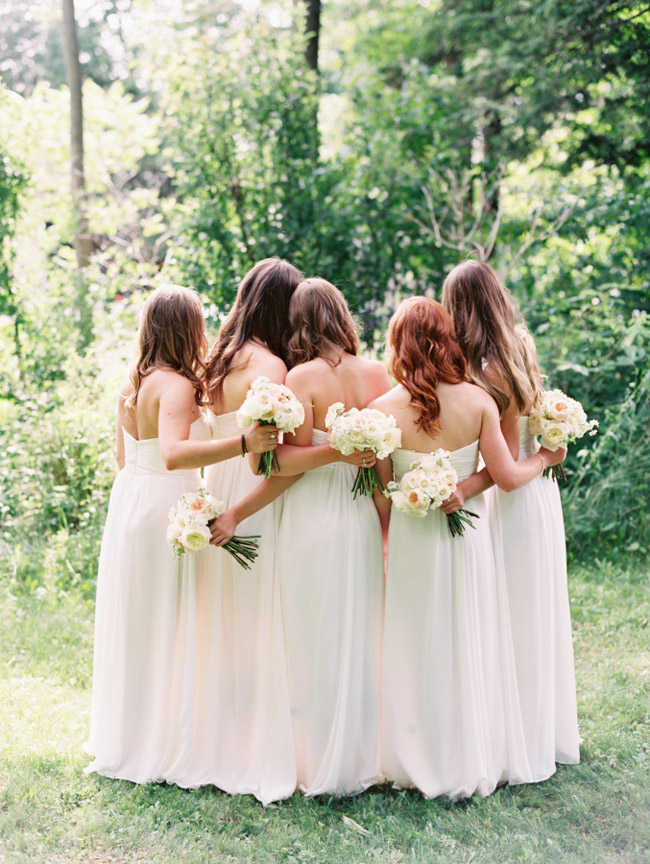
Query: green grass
(594,813)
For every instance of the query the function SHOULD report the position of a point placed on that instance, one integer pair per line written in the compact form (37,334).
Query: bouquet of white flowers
(365,429)
(430,481)
(267,403)
(189,527)
(559,421)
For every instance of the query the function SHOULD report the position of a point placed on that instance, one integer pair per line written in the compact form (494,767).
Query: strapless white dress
(144,599)
(450,719)
(244,742)
(528,531)
(330,564)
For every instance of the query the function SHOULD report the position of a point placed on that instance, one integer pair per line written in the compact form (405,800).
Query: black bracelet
(244,448)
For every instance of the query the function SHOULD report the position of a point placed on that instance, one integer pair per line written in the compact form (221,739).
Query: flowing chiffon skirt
(528,531)
(450,718)
(330,563)
(243,741)
(138,715)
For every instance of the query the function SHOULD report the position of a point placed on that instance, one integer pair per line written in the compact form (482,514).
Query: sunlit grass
(594,813)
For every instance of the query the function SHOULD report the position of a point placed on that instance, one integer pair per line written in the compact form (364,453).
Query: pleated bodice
(224,425)
(464,460)
(144,457)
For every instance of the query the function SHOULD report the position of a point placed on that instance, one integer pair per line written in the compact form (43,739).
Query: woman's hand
(455,501)
(552,457)
(261,439)
(359,458)
(223,528)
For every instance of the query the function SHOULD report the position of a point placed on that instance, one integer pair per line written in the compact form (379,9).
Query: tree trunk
(82,240)
(313,31)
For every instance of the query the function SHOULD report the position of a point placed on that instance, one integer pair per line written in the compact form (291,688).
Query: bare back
(252,360)
(355,381)
(461,416)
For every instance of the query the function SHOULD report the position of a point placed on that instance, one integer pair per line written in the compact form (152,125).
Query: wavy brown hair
(490,333)
(424,352)
(321,324)
(172,334)
(260,311)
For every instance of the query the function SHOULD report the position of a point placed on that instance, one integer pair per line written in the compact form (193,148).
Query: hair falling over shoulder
(172,335)
(491,335)
(321,324)
(260,311)
(424,352)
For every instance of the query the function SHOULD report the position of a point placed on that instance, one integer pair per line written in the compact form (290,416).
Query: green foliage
(246,140)
(606,505)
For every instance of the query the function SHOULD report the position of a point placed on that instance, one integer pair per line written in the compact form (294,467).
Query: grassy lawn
(595,813)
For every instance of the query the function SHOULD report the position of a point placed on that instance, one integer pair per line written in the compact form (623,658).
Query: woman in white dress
(527,524)
(139,675)
(329,558)
(330,561)
(450,719)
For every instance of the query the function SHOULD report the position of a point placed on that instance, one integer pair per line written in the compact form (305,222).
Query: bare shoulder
(305,374)
(126,390)
(376,370)
(390,401)
(258,360)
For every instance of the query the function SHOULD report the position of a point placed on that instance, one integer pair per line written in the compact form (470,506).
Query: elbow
(171,460)
(507,483)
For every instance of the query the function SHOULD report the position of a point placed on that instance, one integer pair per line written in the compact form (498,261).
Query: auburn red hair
(424,352)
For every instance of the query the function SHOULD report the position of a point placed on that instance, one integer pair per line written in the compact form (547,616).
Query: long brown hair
(260,311)
(321,324)
(423,352)
(490,333)
(172,333)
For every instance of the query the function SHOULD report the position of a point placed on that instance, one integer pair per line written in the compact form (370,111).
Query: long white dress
(244,741)
(528,531)
(137,727)
(330,564)
(450,719)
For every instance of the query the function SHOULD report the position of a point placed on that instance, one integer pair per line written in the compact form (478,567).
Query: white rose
(554,437)
(195,537)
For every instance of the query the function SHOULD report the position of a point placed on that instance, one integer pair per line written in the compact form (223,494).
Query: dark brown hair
(172,333)
(321,324)
(491,334)
(260,311)
(424,353)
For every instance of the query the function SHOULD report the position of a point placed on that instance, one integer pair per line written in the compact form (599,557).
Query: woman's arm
(385,471)
(507,473)
(176,406)
(225,526)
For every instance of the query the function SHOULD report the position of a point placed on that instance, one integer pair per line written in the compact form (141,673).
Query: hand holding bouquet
(365,429)
(428,483)
(559,421)
(267,403)
(189,527)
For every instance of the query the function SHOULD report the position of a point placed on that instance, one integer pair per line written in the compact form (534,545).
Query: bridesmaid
(330,561)
(450,719)
(527,524)
(329,556)
(137,711)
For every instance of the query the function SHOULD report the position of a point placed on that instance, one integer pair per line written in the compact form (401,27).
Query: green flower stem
(366,481)
(457,521)
(244,549)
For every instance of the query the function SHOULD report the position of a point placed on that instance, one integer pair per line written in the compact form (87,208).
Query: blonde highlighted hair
(321,324)
(491,335)
(172,334)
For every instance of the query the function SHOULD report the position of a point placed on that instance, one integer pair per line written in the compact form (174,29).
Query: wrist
(543,461)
